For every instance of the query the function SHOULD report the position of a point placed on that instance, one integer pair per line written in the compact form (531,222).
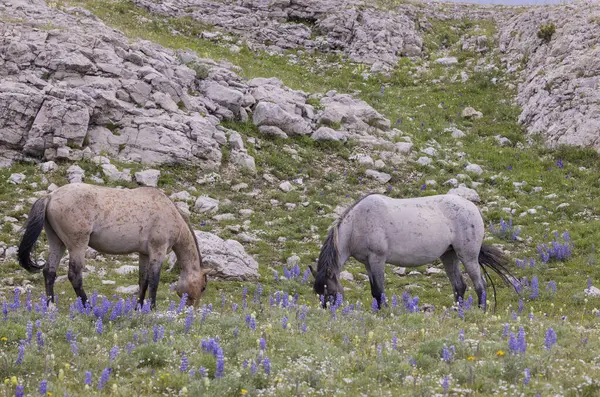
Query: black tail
(328,259)
(495,259)
(33,229)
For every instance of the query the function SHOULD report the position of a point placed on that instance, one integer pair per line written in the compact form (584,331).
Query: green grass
(422,99)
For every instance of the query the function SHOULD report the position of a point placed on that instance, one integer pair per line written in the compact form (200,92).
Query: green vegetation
(546,31)
(356,352)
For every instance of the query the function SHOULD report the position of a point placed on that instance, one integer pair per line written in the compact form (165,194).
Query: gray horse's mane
(328,257)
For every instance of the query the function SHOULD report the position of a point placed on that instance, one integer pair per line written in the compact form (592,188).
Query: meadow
(270,337)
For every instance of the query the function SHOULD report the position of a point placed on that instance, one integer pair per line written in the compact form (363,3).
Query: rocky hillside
(555,51)
(72,87)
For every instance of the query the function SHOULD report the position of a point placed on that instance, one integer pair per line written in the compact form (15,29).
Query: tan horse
(113,221)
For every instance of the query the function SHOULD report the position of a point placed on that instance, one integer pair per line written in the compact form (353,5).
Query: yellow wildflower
(14,380)
(244,391)
(499,353)
(4,339)
(471,358)
(50,393)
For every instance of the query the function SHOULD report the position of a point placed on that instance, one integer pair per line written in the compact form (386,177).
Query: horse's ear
(313,271)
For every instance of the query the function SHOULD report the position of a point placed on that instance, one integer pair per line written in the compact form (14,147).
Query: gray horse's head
(327,283)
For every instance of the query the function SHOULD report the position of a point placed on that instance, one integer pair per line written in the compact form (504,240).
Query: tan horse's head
(193,286)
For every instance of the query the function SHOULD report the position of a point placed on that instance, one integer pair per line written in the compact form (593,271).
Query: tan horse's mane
(189,226)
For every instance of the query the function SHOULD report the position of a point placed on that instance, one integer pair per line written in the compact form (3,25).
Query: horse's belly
(116,243)
(418,252)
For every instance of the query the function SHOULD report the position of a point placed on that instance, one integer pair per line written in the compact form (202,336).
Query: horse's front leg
(143,279)
(76,265)
(154,265)
(376,270)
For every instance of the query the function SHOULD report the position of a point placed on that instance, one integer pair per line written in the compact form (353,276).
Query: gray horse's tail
(33,229)
(493,258)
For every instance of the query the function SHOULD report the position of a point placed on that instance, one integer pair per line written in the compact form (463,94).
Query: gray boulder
(226,259)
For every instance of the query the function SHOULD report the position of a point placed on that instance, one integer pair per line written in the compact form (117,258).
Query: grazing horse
(412,232)
(113,221)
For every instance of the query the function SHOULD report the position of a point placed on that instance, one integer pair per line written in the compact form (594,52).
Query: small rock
(400,271)
(471,113)
(452,182)
(562,205)
(502,141)
(48,166)
(380,177)
(448,61)
(246,212)
(75,174)
(183,195)
(551,196)
(239,187)
(379,164)
(465,192)
(403,147)
(456,133)
(130,290)
(16,179)
(592,291)
(433,270)
(108,282)
(424,161)
(147,177)
(286,186)
(290,206)
(346,276)
(224,217)
(430,151)
(474,168)
(414,273)
(293,260)
(206,204)
(126,269)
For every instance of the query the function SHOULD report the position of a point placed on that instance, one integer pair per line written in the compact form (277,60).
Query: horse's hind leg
(376,270)
(452,267)
(473,269)
(143,278)
(57,249)
(155,261)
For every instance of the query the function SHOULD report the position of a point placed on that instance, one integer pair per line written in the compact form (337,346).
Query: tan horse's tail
(33,229)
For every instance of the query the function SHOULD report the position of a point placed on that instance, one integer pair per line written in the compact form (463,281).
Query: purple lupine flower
(534,288)
(446,384)
(253,367)
(284,322)
(284,300)
(184,363)
(550,338)
(74,348)
(202,371)
(469,303)
(322,299)
(521,343)
(88,378)
(43,387)
(129,347)
(375,305)
(182,302)
(461,310)
(305,277)
(520,309)
(395,342)
(28,301)
(99,325)
(17,300)
(394,300)
(423,187)
(512,344)
(234,307)
(589,281)
(267,365)
(276,275)
(40,340)
(446,354)
(104,378)
(29,332)
(21,354)
(38,323)
(220,368)
(505,331)
(236,331)
(69,335)
(189,320)
(559,163)
(244,297)
(114,352)
(527,377)
(461,335)
(303,328)
(19,391)
(5,310)
(551,286)
(263,344)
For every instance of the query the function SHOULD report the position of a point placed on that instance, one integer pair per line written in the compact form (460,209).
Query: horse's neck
(186,250)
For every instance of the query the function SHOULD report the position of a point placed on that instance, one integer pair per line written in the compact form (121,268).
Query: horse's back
(116,220)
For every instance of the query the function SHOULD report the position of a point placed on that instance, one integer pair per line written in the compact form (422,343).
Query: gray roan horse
(113,221)
(412,232)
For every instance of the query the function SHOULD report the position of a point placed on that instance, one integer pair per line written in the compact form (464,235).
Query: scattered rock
(380,177)
(48,166)
(474,168)
(126,269)
(129,290)
(147,177)
(286,186)
(433,270)
(449,61)
(293,260)
(424,161)
(226,259)
(470,113)
(16,179)
(75,174)
(346,276)
(592,291)
(114,175)
(329,134)
(400,271)
(465,192)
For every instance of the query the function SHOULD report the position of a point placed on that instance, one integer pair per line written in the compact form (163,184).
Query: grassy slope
(322,358)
